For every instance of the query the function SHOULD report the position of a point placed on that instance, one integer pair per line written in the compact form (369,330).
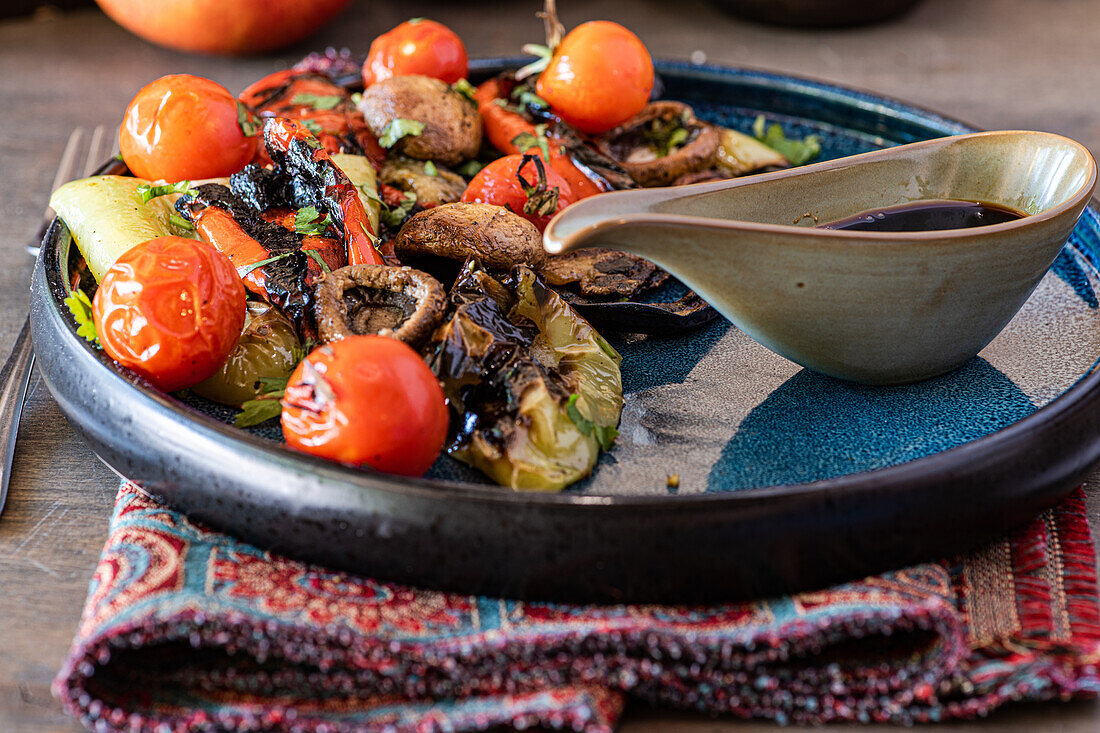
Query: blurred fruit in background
(222,26)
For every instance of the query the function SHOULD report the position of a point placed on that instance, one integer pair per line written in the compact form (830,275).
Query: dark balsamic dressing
(928,215)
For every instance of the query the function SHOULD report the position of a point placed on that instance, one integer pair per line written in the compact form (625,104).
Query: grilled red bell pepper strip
(296,149)
(502,126)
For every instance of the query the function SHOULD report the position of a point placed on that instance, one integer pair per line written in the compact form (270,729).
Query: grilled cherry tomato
(599,77)
(366,400)
(171,309)
(526,184)
(418,46)
(182,127)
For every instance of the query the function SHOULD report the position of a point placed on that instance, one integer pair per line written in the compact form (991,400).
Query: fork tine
(66,167)
(96,155)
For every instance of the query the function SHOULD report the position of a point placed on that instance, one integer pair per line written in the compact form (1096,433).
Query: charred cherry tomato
(418,46)
(599,77)
(523,183)
(171,309)
(366,400)
(183,127)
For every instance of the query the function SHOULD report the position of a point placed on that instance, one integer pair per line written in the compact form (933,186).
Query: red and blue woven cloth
(189,630)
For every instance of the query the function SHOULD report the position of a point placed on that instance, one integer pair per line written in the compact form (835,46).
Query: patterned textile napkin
(188,630)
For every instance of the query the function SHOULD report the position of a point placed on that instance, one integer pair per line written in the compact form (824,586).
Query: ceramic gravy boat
(872,307)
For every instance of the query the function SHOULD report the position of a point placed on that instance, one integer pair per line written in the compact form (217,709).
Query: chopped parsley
(149,192)
(307,220)
(80,306)
(393,216)
(314,128)
(430,169)
(399,128)
(318,101)
(470,168)
(526,140)
(605,434)
(465,88)
(243,270)
(794,150)
(316,257)
(248,125)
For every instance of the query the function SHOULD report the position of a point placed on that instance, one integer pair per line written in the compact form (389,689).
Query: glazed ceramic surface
(787,478)
(872,307)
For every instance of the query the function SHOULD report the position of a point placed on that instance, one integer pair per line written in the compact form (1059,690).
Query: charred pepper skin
(297,151)
(237,231)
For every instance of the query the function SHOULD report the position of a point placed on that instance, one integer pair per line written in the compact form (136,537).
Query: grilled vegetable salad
(366,266)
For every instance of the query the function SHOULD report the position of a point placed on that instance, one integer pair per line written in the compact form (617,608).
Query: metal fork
(15,376)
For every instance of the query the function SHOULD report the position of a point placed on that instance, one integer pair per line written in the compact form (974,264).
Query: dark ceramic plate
(787,479)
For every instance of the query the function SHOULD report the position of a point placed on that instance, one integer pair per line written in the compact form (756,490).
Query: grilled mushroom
(662,143)
(603,273)
(496,237)
(452,126)
(443,186)
(401,302)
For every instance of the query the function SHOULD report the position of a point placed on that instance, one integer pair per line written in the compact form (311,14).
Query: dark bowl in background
(818,13)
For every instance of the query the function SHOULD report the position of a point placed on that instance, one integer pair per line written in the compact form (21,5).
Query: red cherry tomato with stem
(525,183)
(366,400)
(418,46)
(599,77)
(171,309)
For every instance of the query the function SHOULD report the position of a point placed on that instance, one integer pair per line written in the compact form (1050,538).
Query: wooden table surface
(995,63)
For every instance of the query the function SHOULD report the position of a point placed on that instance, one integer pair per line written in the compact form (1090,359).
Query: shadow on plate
(815,427)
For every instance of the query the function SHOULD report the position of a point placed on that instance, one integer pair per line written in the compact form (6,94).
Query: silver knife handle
(14,379)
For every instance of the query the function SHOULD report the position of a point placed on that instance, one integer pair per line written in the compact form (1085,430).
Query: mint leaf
(398,129)
(80,306)
(794,150)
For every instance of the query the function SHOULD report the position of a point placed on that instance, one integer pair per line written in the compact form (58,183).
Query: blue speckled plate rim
(896,475)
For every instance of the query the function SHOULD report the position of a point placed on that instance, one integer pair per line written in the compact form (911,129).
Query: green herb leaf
(465,88)
(260,410)
(430,169)
(245,269)
(307,220)
(275,385)
(394,216)
(374,238)
(313,127)
(605,434)
(180,223)
(316,257)
(318,101)
(248,125)
(398,129)
(665,135)
(525,141)
(415,21)
(524,97)
(149,192)
(80,305)
(470,168)
(797,151)
(118,157)
(356,98)
(370,191)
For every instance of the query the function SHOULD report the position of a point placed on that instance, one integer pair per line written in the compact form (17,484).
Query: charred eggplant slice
(535,391)
(401,302)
